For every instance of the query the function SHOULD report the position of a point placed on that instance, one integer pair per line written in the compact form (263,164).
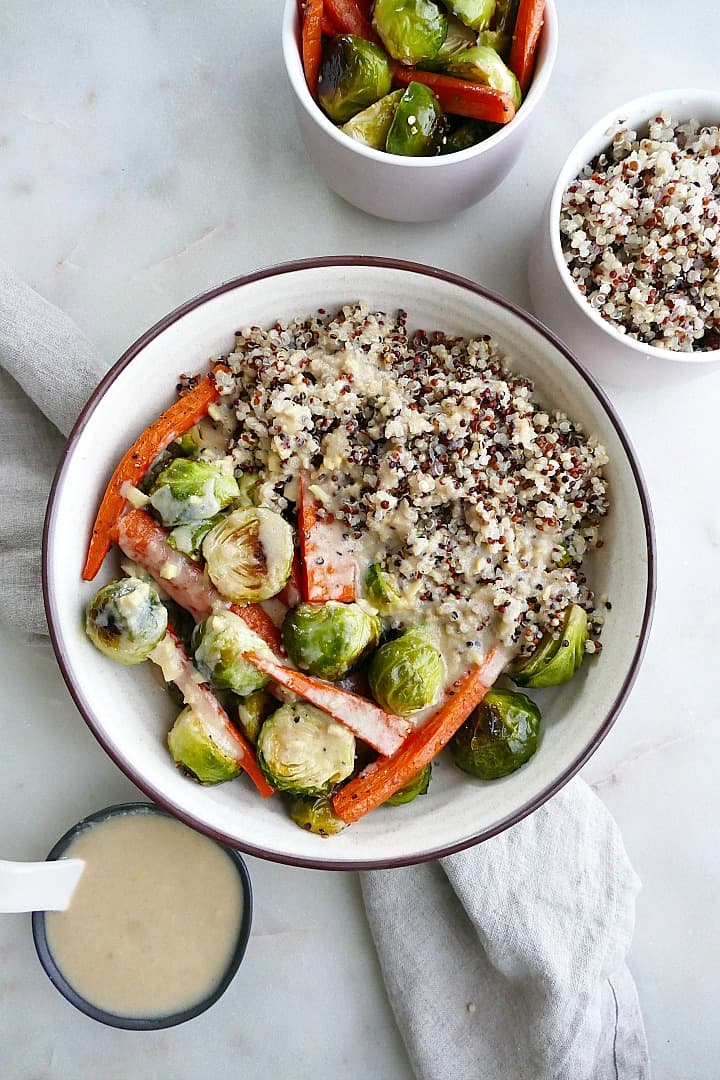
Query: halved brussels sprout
(556,659)
(459,37)
(469,133)
(499,737)
(315,815)
(304,751)
(418,125)
(371,126)
(125,620)
(407,674)
(417,786)
(380,590)
(249,554)
(195,751)
(500,37)
(253,710)
(329,639)
(220,642)
(483,65)
(189,538)
(410,30)
(473,13)
(192,491)
(354,73)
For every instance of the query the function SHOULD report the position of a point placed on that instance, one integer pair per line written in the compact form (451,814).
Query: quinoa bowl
(639,285)
(131,714)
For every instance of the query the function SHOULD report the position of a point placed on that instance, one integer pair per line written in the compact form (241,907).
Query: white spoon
(38,886)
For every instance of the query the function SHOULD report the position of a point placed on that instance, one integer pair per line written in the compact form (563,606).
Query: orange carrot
(350,18)
(383,731)
(168,427)
(460,96)
(311,15)
(528,25)
(383,778)
(328,571)
(145,542)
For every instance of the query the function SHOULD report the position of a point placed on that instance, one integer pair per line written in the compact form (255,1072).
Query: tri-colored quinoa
(437,461)
(640,233)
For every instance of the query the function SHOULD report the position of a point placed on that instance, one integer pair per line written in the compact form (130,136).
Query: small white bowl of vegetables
(416,110)
(384,546)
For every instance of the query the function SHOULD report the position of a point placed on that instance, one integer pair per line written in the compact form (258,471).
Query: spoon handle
(38,886)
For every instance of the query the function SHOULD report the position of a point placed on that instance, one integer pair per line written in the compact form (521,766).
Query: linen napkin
(503,962)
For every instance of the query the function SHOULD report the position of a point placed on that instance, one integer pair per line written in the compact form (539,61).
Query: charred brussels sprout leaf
(499,737)
(556,659)
(192,491)
(125,620)
(483,65)
(407,674)
(465,135)
(220,642)
(411,30)
(417,786)
(380,589)
(354,74)
(473,13)
(302,750)
(195,751)
(252,711)
(329,639)
(371,126)
(418,125)
(315,815)
(249,554)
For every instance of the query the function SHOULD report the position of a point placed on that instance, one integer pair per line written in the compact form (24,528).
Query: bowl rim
(296,77)
(632,113)
(140,1023)
(54,623)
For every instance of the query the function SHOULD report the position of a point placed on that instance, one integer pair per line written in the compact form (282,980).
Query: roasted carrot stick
(329,29)
(350,18)
(328,572)
(459,96)
(525,38)
(383,778)
(145,542)
(168,427)
(311,16)
(173,661)
(383,731)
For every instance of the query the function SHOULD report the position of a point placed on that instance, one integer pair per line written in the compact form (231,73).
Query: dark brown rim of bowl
(413,268)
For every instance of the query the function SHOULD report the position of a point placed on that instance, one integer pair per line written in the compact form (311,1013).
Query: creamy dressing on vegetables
(154,921)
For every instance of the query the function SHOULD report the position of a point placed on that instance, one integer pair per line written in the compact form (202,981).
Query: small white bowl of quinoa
(625,269)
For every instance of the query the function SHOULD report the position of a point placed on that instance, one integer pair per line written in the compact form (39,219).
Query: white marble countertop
(148,151)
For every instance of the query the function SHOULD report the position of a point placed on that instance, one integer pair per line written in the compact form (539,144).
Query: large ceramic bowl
(405,188)
(613,357)
(130,714)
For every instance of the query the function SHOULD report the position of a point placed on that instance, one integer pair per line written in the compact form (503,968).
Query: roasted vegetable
(253,710)
(557,657)
(189,538)
(220,642)
(417,786)
(412,31)
(371,126)
(379,589)
(407,674)
(315,815)
(194,749)
(192,491)
(125,620)
(499,737)
(464,135)
(354,74)
(483,65)
(249,554)
(305,751)
(473,13)
(329,639)
(418,125)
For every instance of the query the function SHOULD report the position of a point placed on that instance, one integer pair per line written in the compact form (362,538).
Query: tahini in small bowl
(407,188)
(60,977)
(613,357)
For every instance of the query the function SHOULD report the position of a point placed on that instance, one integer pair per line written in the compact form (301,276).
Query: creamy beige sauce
(154,920)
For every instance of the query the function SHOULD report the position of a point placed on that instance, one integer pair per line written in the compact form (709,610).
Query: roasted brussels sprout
(500,37)
(380,589)
(417,786)
(195,751)
(469,133)
(418,125)
(189,538)
(407,674)
(354,73)
(252,711)
(220,642)
(473,13)
(302,750)
(411,30)
(125,620)
(458,38)
(556,658)
(371,126)
(483,65)
(315,815)
(192,491)
(499,737)
(249,554)
(329,639)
